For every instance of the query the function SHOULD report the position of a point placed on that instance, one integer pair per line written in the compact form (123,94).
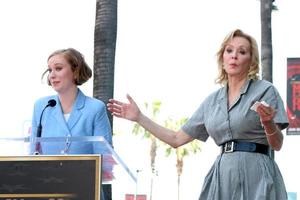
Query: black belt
(232,146)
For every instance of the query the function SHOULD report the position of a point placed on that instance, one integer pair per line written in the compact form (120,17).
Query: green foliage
(154,109)
(137,129)
(184,150)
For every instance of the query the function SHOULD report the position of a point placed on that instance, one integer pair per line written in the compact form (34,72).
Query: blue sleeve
(102,127)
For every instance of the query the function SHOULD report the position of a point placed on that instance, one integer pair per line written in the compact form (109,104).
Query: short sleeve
(273,98)
(195,126)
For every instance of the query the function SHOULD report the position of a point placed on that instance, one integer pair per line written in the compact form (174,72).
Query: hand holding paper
(265,112)
(257,103)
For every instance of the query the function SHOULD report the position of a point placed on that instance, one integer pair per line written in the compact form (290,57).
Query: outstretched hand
(120,109)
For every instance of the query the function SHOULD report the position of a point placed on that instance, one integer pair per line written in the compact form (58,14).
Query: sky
(165,51)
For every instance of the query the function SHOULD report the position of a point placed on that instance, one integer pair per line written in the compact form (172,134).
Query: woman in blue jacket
(70,113)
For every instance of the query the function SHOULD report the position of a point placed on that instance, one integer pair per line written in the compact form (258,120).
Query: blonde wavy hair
(253,72)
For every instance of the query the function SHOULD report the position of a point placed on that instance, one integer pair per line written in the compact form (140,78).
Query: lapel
(76,111)
(222,100)
(58,116)
(243,90)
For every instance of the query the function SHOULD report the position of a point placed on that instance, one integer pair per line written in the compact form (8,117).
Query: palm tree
(266,7)
(137,129)
(182,151)
(266,39)
(104,49)
(105,36)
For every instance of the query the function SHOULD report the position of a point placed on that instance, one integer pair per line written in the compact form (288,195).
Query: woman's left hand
(266,113)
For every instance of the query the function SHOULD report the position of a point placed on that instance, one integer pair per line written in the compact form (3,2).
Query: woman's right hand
(120,109)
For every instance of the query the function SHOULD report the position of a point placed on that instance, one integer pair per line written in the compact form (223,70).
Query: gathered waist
(232,146)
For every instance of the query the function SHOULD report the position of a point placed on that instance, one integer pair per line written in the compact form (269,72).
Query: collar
(243,90)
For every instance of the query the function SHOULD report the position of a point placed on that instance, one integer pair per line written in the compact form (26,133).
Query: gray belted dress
(239,175)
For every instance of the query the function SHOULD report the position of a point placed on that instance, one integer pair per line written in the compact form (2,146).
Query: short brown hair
(82,71)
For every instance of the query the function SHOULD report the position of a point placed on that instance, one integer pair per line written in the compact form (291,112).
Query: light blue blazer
(88,118)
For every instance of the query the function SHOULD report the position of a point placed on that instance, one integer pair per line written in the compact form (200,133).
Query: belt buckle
(228,148)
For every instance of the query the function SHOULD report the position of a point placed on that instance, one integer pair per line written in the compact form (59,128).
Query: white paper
(254,106)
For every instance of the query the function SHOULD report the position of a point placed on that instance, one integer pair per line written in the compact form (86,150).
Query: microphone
(38,149)
(51,103)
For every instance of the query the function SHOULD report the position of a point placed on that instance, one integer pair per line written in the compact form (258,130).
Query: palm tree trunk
(153,150)
(105,36)
(266,43)
(266,39)
(179,166)
(104,49)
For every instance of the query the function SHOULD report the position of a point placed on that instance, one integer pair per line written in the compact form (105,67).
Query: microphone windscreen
(52,102)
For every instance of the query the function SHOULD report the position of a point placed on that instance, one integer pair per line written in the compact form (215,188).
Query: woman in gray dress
(244,117)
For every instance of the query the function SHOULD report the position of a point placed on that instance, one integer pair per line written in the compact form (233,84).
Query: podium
(60,174)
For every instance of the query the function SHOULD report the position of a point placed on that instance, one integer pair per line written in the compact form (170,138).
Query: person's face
(61,76)
(237,57)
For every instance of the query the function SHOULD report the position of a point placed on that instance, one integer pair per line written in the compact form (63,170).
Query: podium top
(99,142)
(56,139)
